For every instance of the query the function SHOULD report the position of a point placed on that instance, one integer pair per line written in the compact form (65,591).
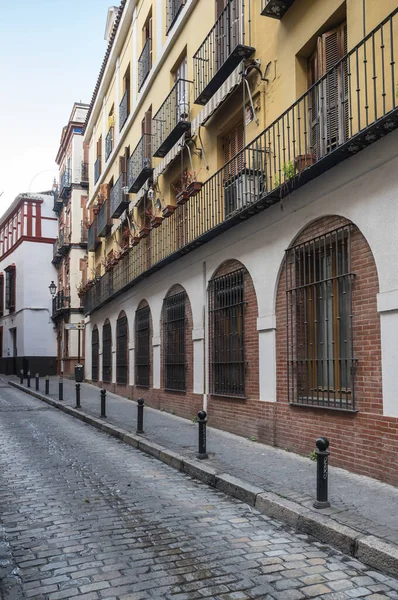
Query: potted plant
(168,210)
(302,161)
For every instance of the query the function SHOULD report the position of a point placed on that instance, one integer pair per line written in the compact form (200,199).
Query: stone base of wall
(44,365)
(69,367)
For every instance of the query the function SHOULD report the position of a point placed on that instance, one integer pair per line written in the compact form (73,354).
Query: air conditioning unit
(242,190)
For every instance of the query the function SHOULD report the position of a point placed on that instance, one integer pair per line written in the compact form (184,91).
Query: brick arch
(175,289)
(297,427)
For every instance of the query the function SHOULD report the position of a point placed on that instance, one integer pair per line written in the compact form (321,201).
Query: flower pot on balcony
(144,232)
(194,188)
(136,240)
(156,222)
(96,210)
(168,210)
(182,197)
(302,161)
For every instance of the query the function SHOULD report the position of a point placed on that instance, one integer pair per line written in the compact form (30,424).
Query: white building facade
(27,336)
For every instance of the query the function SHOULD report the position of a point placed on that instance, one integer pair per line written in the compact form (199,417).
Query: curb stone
(368,549)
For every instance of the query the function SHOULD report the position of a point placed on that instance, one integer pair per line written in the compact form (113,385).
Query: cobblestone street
(87,516)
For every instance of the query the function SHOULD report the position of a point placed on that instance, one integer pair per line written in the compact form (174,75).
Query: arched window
(94,354)
(121,349)
(107,352)
(227,349)
(174,341)
(142,355)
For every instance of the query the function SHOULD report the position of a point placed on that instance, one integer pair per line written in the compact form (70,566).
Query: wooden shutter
(220,5)
(146,124)
(99,146)
(233,143)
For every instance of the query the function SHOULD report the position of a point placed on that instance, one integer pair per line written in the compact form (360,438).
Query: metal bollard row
(202,421)
(77,395)
(322,473)
(140,415)
(103,404)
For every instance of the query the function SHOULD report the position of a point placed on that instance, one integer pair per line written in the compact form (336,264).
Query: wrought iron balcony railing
(172,118)
(221,52)
(83,233)
(84,173)
(61,303)
(173,9)
(353,105)
(97,169)
(118,198)
(65,183)
(139,166)
(124,109)
(61,245)
(57,201)
(275,8)
(144,63)
(93,240)
(104,220)
(108,143)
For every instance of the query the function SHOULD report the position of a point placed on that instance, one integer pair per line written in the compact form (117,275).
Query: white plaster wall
(76,214)
(363,189)
(77,157)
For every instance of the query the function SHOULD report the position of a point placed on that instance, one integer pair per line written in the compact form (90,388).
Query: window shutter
(233,143)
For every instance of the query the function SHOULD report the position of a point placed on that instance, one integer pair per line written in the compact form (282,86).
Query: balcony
(172,118)
(275,8)
(139,166)
(108,143)
(104,220)
(61,304)
(97,169)
(57,201)
(144,63)
(221,52)
(83,233)
(65,184)
(124,109)
(84,174)
(173,9)
(352,106)
(61,245)
(118,198)
(93,240)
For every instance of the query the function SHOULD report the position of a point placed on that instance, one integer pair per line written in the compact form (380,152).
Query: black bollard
(322,454)
(77,395)
(61,388)
(21,377)
(103,404)
(47,385)
(28,379)
(37,382)
(202,420)
(140,415)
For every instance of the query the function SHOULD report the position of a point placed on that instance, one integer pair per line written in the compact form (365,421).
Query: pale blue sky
(51,52)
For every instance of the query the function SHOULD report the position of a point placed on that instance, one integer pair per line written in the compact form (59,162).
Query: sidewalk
(364,505)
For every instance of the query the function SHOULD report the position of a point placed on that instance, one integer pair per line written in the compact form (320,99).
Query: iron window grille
(10,288)
(106,353)
(1,294)
(227,353)
(174,342)
(320,358)
(173,9)
(94,354)
(121,350)
(142,331)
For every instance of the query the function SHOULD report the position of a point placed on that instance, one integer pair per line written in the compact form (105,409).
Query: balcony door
(227,29)
(328,96)
(182,91)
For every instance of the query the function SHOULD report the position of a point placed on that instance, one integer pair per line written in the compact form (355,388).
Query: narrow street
(87,516)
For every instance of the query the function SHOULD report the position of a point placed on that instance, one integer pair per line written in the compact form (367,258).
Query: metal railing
(84,172)
(83,232)
(104,222)
(108,143)
(310,137)
(139,166)
(172,118)
(97,169)
(173,9)
(65,181)
(118,199)
(225,40)
(92,238)
(61,302)
(124,109)
(144,63)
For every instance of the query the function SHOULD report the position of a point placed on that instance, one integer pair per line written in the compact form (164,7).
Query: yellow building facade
(217,132)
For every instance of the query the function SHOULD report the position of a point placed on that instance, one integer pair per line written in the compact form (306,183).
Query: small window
(174,342)
(142,355)
(319,321)
(10,288)
(226,297)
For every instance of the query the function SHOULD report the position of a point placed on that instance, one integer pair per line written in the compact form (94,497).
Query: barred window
(1,294)
(320,357)
(174,341)
(10,288)
(227,353)
(142,331)
(94,354)
(121,350)
(107,353)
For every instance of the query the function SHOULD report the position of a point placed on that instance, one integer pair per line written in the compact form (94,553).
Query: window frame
(174,342)
(122,350)
(142,347)
(107,353)
(10,288)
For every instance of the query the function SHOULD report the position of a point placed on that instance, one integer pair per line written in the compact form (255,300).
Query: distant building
(70,248)
(27,337)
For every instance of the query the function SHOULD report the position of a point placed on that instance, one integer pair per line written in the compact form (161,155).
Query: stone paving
(362,503)
(87,516)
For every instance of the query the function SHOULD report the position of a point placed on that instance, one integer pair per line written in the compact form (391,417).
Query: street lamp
(53,289)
